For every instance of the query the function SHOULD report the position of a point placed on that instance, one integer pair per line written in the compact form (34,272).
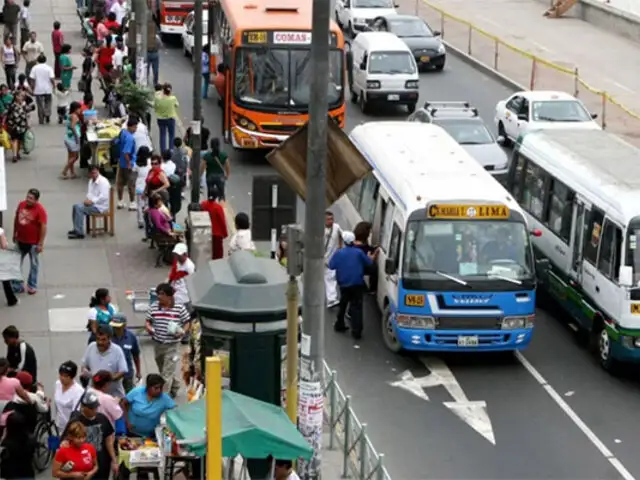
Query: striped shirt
(160,317)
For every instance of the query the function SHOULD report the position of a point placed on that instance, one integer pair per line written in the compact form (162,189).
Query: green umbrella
(250,427)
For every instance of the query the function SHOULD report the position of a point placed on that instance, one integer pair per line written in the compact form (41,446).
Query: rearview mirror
(500,140)
(523,116)
(363,65)
(594,116)
(389,266)
(625,276)
(437,33)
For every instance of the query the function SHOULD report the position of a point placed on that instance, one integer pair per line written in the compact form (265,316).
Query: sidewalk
(604,61)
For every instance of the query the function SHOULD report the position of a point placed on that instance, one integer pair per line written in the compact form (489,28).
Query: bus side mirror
(390,266)
(222,68)
(625,276)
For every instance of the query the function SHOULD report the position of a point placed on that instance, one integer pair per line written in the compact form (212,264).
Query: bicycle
(47,439)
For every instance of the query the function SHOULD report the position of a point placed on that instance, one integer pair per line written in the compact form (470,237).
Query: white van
(188,39)
(382,70)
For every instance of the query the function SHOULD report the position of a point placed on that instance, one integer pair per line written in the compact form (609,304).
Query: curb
(485,69)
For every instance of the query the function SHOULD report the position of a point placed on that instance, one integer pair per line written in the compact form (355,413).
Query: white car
(188,40)
(541,110)
(355,16)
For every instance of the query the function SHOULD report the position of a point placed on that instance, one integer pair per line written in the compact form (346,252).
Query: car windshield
(279,77)
(391,62)
(413,27)
(559,111)
(373,3)
(467,249)
(466,132)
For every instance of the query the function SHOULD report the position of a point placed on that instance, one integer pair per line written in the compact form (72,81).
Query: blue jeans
(205,84)
(153,62)
(80,3)
(167,127)
(34,263)
(78,214)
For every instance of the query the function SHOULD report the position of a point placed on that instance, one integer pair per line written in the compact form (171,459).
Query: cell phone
(67,467)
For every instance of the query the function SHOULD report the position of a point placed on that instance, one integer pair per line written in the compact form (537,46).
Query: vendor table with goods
(100,136)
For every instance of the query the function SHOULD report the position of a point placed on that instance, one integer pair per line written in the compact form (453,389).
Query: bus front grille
(279,128)
(469,323)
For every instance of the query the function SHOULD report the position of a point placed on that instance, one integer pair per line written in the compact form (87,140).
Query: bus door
(579,237)
(386,283)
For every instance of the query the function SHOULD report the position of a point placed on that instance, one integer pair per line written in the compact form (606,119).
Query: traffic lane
(605,402)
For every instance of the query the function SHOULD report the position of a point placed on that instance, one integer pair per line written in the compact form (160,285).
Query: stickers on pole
(310,405)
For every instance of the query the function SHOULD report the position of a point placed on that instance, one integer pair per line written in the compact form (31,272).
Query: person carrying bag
(215,165)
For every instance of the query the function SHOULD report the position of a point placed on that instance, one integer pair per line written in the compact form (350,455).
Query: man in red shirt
(57,40)
(111,23)
(29,232)
(218,222)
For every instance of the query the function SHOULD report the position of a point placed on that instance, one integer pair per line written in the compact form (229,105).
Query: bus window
(534,192)
(560,212)
(387,223)
(516,177)
(610,247)
(394,246)
(592,236)
(354,194)
(370,187)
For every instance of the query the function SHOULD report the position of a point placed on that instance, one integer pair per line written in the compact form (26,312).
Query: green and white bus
(582,189)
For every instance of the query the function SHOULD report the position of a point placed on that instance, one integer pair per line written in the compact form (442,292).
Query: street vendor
(144,405)
(128,342)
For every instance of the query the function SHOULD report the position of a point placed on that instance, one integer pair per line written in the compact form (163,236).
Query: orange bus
(261,53)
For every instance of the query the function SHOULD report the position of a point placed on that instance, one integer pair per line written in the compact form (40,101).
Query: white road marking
(564,406)
(412,384)
(619,85)
(542,47)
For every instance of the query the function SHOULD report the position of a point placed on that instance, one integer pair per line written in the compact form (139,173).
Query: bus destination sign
(461,212)
(291,37)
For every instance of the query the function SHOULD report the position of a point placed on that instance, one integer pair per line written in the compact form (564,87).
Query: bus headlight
(513,323)
(416,321)
(245,123)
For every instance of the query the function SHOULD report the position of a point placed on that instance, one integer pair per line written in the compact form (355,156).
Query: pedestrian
(350,264)
(100,434)
(9,387)
(206,73)
(67,393)
(103,354)
(10,58)
(332,242)
(109,405)
(62,102)
(180,157)
(175,183)
(57,41)
(128,342)
(18,449)
(72,136)
(105,56)
(141,170)
(101,29)
(20,355)
(283,470)
(11,17)
(31,50)
(7,284)
(17,123)
(121,52)
(205,133)
(156,182)
(215,166)
(362,232)
(29,233)
(43,82)
(97,201)
(86,77)
(167,322)
(127,160)
(181,268)
(111,22)
(218,223)
(166,109)
(78,458)
(118,8)
(241,240)
(101,312)
(153,53)
(25,23)
(66,66)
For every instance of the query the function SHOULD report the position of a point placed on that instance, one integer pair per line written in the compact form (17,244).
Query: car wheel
(389,331)
(502,133)
(605,356)
(354,94)
(411,107)
(185,50)
(439,68)
(364,105)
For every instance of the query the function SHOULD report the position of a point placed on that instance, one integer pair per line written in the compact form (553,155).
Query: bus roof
(270,14)
(596,164)
(419,163)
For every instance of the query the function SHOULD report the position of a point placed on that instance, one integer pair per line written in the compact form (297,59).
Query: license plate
(425,59)
(467,341)
(393,98)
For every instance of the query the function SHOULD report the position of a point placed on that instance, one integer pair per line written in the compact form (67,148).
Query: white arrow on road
(472,413)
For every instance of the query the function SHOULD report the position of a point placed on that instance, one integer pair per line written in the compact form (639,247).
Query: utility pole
(313,296)
(197,103)
(132,36)
(141,42)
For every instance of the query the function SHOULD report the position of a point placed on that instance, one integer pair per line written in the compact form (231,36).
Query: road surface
(560,418)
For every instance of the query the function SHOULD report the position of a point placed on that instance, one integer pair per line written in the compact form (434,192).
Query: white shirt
(241,241)
(32,50)
(181,295)
(42,76)
(37,399)
(66,402)
(118,55)
(293,476)
(98,193)
(331,241)
(141,179)
(169,168)
(142,137)
(63,98)
(120,12)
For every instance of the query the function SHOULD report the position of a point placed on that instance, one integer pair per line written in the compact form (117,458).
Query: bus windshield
(281,77)
(469,250)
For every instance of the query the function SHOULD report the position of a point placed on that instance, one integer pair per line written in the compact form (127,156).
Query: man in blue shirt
(125,175)
(349,263)
(128,342)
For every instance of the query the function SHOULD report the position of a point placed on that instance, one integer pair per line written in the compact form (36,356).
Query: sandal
(63,177)
(74,176)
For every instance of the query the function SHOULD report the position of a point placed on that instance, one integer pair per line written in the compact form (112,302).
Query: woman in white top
(67,393)
(241,240)
(168,166)
(142,169)
(10,57)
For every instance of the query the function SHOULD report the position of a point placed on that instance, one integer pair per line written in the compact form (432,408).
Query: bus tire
(389,331)
(605,356)
(364,105)
(354,95)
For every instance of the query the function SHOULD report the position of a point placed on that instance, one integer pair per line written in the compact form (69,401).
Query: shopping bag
(5,141)
(28,142)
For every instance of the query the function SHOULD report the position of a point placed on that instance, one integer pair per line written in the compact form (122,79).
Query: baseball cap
(118,320)
(25,379)
(180,249)
(90,400)
(348,237)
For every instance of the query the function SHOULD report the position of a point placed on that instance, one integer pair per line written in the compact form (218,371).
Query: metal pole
(132,37)
(274,209)
(313,294)
(213,381)
(141,51)
(197,103)
(292,349)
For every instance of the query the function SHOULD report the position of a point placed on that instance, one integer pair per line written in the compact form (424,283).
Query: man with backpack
(127,159)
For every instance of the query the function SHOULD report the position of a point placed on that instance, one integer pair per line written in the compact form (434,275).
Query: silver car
(463,123)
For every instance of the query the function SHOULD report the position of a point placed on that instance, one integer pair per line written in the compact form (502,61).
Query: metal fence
(359,458)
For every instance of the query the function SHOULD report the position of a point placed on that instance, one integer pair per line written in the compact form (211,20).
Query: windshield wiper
(474,143)
(548,119)
(447,276)
(502,277)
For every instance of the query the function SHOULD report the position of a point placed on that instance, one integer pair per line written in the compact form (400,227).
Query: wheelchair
(47,439)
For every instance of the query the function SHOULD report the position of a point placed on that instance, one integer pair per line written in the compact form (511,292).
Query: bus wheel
(605,355)
(389,331)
